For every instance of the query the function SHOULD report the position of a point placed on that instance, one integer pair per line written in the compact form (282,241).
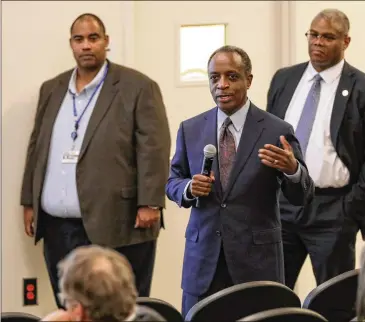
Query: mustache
(87,55)
(317,49)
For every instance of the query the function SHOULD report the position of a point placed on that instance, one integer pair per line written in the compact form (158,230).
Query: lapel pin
(345,92)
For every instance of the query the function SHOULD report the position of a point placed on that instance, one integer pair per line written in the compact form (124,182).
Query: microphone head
(210,151)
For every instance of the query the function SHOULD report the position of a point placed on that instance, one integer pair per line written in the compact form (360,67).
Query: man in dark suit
(98,158)
(324,100)
(234,236)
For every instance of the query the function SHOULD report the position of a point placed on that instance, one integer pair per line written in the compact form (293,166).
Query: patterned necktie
(227,152)
(306,120)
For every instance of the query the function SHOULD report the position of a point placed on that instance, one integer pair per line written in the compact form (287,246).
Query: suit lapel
(251,133)
(289,88)
(343,93)
(102,104)
(210,137)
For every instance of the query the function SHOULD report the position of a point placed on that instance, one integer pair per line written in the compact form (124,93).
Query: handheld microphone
(209,153)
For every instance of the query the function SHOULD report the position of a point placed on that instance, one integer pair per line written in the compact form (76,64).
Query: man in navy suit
(234,236)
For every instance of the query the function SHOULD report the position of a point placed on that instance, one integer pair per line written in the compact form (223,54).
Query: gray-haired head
(100,280)
(337,18)
(328,39)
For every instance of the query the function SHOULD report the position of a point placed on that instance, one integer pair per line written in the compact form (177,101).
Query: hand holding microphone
(201,184)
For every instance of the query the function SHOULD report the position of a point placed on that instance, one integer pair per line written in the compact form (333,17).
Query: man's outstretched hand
(277,158)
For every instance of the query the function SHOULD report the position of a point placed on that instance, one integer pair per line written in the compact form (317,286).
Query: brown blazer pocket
(192,234)
(267,236)
(129,192)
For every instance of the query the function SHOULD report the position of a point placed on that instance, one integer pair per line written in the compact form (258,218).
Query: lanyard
(78,119)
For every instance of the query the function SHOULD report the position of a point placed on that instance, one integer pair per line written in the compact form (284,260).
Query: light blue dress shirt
(59,196)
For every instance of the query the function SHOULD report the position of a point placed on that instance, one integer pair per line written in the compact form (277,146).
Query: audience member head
(97,284)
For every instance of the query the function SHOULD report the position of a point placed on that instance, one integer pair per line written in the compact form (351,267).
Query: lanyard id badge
(70,157)
(74,134)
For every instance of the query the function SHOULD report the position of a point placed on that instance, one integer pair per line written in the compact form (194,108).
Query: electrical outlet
(30,291)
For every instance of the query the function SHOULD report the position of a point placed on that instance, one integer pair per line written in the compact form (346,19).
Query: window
(197,43)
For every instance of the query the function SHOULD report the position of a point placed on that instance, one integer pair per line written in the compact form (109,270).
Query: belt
(330,191)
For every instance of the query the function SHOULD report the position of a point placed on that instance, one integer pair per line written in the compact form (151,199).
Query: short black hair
(92,16)
(246,61)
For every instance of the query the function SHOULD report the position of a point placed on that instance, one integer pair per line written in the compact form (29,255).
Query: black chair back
(336,298)
(166,310)
(18,317)
(242,300)
(285,315)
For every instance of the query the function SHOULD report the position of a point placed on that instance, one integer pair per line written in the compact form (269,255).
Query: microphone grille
(210,151)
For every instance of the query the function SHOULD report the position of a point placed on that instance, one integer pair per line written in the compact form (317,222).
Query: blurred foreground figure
(97,284)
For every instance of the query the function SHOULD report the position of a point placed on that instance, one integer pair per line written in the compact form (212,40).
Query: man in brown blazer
(98,159)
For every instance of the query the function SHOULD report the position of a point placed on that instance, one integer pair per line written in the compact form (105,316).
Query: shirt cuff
(186,198)
(296,176)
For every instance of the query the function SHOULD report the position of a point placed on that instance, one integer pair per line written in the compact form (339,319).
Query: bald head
(89,16)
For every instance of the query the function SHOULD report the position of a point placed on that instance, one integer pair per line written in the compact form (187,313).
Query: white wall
(35,47)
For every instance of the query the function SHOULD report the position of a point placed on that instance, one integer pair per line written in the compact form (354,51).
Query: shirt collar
(328,75)
(238,118)
(91,86)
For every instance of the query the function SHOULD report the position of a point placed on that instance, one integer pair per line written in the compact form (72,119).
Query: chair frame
(281,312)
(313,295)
(143,301)
(19,315)
(320,288)
(248,285)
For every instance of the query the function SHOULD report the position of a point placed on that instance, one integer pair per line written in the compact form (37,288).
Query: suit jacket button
(218,233)
(223,205)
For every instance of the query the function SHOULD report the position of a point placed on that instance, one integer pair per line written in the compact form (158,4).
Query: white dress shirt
(324,165)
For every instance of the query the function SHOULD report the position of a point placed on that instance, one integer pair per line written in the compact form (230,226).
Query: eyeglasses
(328,38)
